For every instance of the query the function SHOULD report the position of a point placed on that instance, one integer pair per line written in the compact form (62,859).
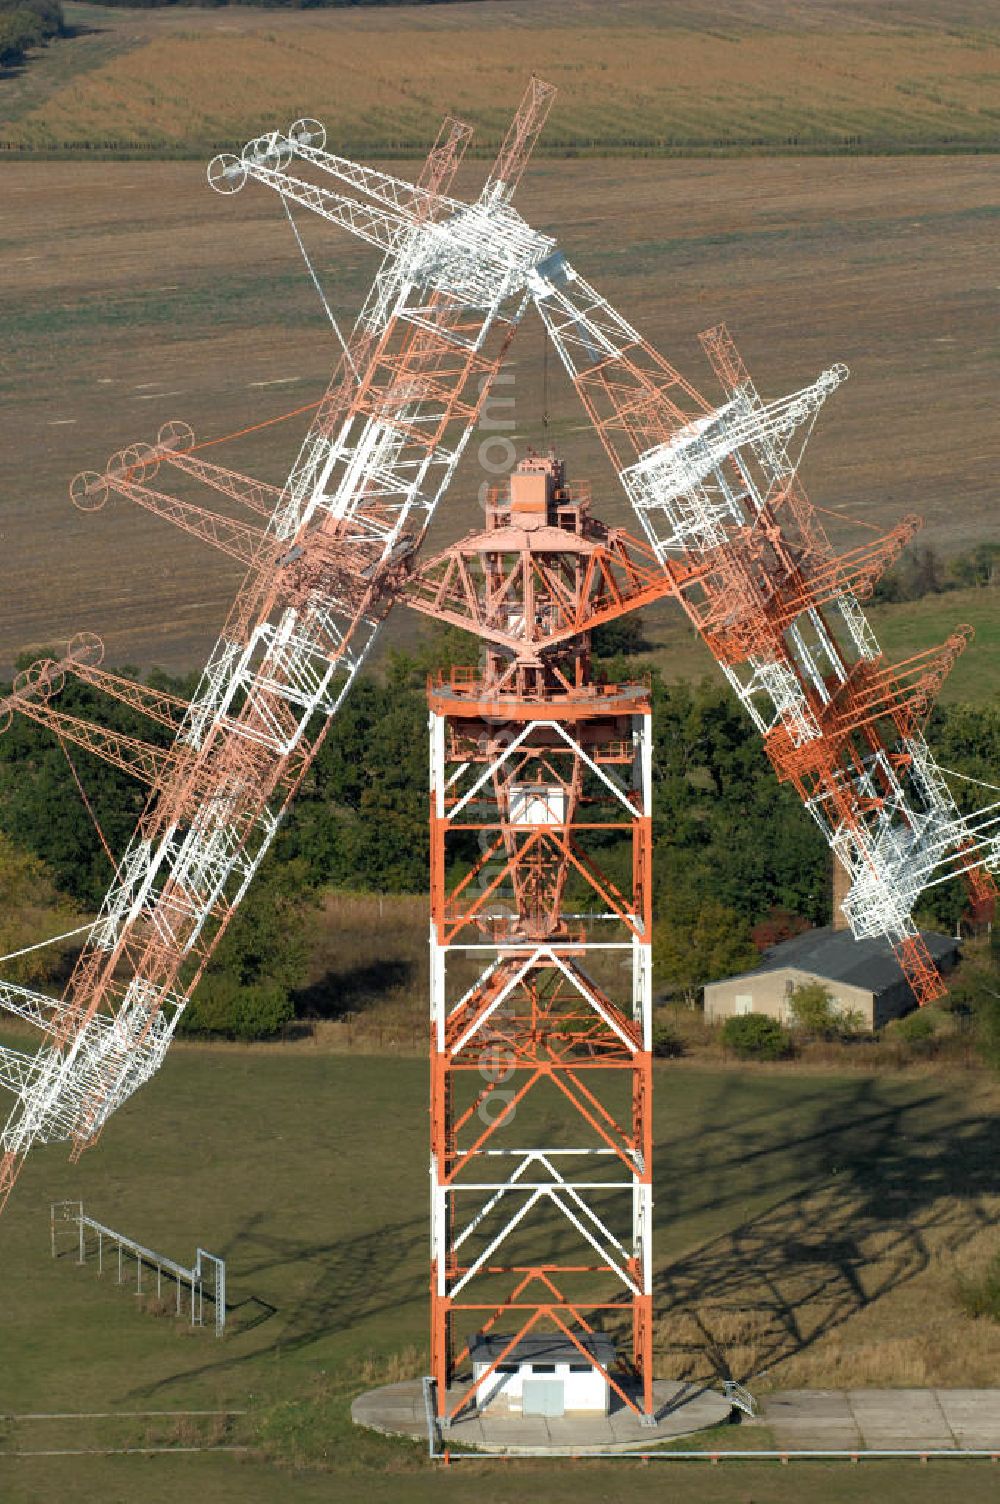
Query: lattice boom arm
(711,488)
(384,446)
(142,760)
(240,540)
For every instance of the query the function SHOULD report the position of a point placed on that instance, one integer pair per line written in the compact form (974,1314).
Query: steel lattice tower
(730,534)
(541,1083)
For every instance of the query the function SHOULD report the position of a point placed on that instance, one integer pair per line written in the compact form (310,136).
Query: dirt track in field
(130,295)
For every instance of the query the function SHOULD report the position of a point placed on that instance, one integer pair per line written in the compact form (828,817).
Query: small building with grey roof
(863,976)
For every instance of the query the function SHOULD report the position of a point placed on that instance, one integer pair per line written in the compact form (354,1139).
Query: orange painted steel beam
(528,758)
(718,494)
(321,574)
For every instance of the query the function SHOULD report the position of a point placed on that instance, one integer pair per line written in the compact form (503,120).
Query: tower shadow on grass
(243,1315)
(886,1187)
(338,993)
(358,1278)
(882,1181)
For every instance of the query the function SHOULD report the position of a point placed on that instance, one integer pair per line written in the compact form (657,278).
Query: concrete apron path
(398,1409)
(853,1420)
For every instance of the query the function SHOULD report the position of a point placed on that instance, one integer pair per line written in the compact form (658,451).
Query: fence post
(83,1246)
(220,1299)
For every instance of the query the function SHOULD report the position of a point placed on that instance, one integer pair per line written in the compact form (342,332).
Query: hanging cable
(83,929)
(237,433)
(843,517)
(87,805)
(545,385)
(965,777)
(318,286)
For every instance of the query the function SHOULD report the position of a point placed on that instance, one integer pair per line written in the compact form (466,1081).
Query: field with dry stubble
(699,75)
(133,295)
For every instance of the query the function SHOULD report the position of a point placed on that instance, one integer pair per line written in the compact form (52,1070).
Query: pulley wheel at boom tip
(86,648)
(177,435)
(150,461)
(124,463)
(308,132)
(36,681)
(226,173)
(54,677)
(88,491)
(271,152)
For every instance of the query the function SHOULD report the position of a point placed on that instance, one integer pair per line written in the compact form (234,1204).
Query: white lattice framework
(360,495)
(363,488)
(491,1184)
(716,474)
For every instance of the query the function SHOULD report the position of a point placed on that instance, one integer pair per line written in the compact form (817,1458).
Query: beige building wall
(768,992)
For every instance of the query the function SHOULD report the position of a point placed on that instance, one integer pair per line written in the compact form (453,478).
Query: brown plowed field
(131,294)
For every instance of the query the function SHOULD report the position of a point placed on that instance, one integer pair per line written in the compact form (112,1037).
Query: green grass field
(635,76)
(217,1480)
(808,1228)
(903,630)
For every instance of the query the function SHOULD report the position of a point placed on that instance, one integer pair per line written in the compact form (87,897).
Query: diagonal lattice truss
(321,555)
(523,591)
(717,493)
(541,1127)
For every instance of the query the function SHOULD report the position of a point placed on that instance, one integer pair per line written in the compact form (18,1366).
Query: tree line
(921,571)
(737,861)
(25,24)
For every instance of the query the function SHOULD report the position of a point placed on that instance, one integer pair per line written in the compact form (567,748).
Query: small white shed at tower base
(544,1374)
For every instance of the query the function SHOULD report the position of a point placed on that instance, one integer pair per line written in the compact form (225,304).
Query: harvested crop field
(132,295)
(635,75)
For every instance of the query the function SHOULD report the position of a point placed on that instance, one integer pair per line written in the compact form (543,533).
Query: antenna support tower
(541,1081)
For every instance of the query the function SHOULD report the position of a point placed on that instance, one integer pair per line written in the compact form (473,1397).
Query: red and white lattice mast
(717,492)
(323,554)
(541,1097)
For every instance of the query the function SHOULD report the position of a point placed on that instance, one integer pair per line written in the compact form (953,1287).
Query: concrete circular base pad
(398,1410)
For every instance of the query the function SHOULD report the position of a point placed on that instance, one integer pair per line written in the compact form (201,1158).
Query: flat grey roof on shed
(544,1347)
(838,957)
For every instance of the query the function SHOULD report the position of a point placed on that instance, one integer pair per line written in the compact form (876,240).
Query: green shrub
(667,1043)
(223,1008)
(18,32)
(917,1029)
(815,1013)
(979,1294)
(755,1036)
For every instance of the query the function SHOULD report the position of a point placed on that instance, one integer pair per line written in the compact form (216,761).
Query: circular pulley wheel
(226,173)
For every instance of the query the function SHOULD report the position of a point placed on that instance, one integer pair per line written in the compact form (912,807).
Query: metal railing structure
(191,1280)
(739,1397)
